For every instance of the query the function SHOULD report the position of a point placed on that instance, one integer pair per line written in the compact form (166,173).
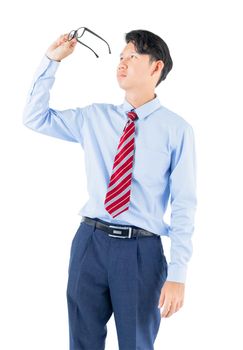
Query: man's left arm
(183,206)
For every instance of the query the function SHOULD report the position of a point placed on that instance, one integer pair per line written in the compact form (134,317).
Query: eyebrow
(130,53)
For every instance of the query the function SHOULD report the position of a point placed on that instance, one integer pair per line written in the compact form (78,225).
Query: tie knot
(132,115)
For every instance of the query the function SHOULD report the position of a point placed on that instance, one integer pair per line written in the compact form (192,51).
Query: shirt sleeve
(183,203)
(38,116)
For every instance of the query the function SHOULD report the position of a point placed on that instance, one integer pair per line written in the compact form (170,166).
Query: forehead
(130,47)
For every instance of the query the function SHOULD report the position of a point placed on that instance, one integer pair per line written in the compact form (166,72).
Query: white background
(43,183)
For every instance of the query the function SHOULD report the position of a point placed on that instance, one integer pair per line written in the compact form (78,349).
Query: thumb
(62,39)
(68,46)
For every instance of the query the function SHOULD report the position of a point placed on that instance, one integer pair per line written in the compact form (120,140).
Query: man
(137,154)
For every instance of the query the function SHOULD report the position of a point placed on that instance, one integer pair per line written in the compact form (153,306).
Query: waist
(118,231)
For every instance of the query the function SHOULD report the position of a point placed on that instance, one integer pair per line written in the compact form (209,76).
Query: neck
(137,100)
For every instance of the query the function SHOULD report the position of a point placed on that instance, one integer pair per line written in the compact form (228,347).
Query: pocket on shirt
(150,166)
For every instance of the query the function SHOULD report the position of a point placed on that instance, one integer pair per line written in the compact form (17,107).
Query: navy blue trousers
(110,274)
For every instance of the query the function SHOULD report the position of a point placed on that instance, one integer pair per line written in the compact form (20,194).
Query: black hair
(149,43)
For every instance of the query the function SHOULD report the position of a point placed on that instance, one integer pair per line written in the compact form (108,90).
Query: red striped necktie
(119,189)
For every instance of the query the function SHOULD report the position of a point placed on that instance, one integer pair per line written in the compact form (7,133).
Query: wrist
(176,273)
(52,59)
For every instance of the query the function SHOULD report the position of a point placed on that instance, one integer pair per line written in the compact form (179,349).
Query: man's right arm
(37,115)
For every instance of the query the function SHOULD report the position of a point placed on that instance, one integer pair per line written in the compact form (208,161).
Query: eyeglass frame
(74,35)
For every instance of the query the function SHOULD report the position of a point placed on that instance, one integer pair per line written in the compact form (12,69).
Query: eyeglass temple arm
(87,47)
(100,38)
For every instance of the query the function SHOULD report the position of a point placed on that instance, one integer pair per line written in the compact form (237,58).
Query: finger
(65,37)
(166,309)
(73,44)
(69,45)
(165,312)
(161,300)
(172,310)
(62,39)
(178,306)
(74,40)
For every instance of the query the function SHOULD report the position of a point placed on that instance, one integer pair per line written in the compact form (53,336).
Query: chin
(122,86)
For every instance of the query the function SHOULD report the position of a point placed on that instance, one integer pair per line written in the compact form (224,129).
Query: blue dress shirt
(164,162)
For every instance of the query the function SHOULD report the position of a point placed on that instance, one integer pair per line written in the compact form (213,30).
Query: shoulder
(102,105)
(179,129)
(173,119)
(98,107)
(95,110)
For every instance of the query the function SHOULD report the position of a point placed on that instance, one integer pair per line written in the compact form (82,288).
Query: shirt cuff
(46,66)
(51,59)
(176,274)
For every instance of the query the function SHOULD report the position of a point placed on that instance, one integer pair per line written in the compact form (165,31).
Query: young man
(137,154)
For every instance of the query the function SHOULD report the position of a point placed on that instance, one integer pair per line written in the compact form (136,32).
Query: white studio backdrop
(43,181)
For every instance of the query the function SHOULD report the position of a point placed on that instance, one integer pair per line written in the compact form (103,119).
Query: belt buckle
(117,233)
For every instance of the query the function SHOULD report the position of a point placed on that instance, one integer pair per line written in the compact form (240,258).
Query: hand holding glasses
(78,33)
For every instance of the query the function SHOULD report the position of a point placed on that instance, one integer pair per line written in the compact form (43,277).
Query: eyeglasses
(78,33)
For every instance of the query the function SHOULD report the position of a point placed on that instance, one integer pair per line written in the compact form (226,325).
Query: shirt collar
(144,110)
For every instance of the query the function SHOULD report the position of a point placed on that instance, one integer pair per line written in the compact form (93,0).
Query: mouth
(121,76)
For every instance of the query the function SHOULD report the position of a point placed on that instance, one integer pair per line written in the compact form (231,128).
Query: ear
(158,66)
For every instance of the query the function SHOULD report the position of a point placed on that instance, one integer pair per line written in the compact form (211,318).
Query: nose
(122,64)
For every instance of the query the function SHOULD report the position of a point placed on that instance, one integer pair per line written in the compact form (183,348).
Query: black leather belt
(119,231)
